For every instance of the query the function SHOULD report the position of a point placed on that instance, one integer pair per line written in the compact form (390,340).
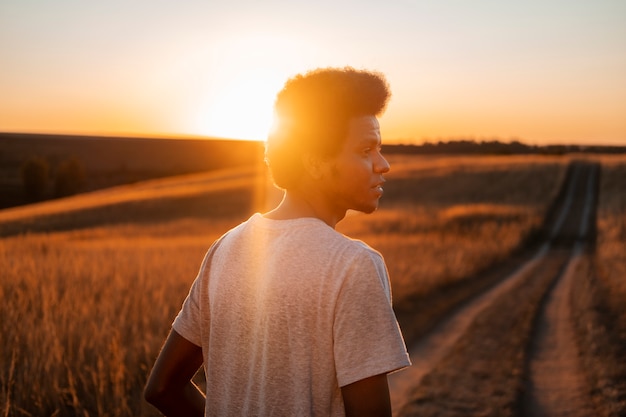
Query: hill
(109,161)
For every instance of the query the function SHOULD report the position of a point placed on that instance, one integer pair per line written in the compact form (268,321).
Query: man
(288,316)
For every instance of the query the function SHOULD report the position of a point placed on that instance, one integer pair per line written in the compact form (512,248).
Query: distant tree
(69,178)
(34,173)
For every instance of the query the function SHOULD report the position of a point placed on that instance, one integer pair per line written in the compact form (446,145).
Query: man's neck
(297,204)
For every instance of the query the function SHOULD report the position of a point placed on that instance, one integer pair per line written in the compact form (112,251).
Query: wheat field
(601,318)
(85,310)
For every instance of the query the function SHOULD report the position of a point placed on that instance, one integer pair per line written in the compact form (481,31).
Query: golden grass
(598,300)
(82,319)
(611,245)
(147,190)
(85,311)
(484,373)
(443,221)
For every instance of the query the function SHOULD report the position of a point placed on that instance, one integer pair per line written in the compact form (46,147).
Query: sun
(249,72)
(242,107)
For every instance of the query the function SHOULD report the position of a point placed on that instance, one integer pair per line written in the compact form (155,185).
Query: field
(110,161)
(599,299)
(89,292)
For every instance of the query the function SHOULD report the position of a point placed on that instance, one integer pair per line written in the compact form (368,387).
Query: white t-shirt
(287,312)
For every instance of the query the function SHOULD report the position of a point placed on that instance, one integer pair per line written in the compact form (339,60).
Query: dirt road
(511,349)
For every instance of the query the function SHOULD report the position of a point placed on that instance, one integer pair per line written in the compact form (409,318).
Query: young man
(288,316)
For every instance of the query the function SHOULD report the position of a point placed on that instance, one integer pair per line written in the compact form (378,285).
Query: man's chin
(368,210)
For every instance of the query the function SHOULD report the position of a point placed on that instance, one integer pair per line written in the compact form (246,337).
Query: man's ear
(315,165)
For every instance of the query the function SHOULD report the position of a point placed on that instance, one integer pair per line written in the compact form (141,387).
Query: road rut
(553,379)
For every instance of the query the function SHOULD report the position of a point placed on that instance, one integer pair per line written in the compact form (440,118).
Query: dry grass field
(89,294)
(442,221)
(599,299)
(110,161)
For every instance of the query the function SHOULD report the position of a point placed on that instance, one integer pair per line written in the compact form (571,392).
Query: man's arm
(367,397)
(169,387)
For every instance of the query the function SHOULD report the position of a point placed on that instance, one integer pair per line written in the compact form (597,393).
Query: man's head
(313,114)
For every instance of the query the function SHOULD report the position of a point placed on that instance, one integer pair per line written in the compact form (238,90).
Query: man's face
(356,175)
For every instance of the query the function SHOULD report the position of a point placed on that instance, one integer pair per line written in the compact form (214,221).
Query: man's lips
(378,186)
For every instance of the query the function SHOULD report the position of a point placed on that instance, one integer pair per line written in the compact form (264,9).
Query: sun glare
(251,70)
(242,108)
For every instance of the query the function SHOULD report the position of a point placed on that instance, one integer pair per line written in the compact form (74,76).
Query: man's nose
(381,165)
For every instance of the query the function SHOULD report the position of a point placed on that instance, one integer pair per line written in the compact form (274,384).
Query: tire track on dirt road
(548,258)
(556,384)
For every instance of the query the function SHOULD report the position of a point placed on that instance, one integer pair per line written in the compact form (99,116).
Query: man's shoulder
(366,249)
(350,252)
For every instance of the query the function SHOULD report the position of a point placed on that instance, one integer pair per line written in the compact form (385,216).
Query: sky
(542,72)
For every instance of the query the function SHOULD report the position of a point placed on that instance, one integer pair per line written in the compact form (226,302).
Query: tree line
(40,180)
(496,147)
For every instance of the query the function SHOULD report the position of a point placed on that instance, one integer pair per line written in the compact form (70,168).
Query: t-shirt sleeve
(367,337)
(188,322)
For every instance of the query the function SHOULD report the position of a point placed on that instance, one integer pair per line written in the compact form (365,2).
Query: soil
(553,381)
(556,384)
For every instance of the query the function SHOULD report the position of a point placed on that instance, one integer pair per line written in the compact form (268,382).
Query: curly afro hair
(313,111)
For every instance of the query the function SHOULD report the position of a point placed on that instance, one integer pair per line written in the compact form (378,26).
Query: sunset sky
(551,71)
